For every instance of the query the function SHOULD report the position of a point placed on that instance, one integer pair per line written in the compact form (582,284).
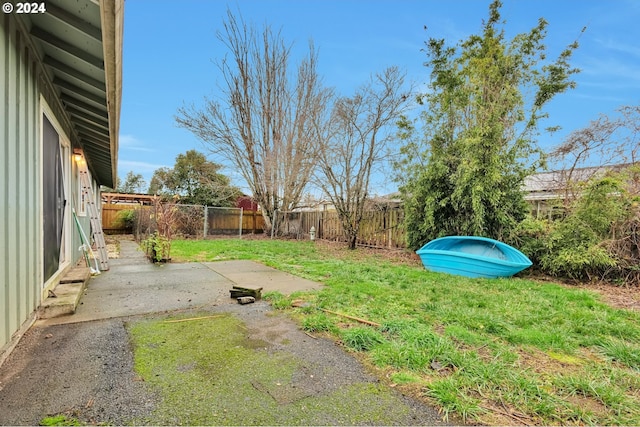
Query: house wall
(24,97)
(20,178)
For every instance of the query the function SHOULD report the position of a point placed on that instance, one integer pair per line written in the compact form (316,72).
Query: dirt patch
(501,413)
(548,364)
(627,298)
(398,256)
(112,244)
(588,405)
(622,297)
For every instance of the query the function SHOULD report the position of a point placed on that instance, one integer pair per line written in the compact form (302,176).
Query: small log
(246,289)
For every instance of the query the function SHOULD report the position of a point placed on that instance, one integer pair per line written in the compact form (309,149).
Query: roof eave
(112,19)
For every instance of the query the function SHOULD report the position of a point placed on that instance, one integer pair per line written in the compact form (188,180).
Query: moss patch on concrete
(59,420)
(208,372)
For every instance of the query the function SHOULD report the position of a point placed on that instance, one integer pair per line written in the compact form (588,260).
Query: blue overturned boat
(472,256)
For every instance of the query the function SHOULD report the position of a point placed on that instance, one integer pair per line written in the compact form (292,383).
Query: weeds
(621,351)
(319,323)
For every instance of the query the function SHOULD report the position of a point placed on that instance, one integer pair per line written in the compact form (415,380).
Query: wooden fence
(111,222)
(188,220)
(379,228)
(228,220)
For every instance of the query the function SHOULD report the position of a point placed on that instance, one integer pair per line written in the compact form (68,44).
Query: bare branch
(606,142)
(356,143)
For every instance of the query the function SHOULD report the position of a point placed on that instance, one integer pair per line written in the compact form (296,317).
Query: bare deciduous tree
(604,143)
(266,121)
(356,143)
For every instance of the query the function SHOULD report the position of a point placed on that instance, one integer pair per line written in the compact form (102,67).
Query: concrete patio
(134,286)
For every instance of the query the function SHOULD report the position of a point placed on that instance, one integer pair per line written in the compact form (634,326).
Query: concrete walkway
(134,286)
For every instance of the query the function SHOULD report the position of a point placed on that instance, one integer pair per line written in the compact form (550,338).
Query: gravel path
(85,370)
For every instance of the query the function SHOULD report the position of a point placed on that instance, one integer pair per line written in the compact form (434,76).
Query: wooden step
(76,274)
(240,291)
(65,297)
(66,300)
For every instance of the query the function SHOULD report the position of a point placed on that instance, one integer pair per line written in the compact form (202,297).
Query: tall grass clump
(362,338)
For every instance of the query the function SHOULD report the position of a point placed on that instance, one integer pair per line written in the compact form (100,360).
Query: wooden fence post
(204,222)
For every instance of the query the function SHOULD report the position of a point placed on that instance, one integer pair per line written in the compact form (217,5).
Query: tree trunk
(353,239)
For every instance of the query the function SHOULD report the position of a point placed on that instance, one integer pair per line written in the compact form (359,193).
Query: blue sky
(170,50)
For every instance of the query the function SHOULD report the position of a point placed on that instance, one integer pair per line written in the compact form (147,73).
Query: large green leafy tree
(196,180)
(133,183)
(463,174)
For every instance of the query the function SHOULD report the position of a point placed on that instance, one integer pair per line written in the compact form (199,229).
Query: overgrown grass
(501,351)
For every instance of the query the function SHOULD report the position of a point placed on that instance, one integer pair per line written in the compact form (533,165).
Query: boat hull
(472,256)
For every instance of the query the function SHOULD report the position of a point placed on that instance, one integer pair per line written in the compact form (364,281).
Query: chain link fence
(195,221)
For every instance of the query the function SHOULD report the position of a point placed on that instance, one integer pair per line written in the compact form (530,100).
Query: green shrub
(530,237)
(574,247)
(126,219)
(578,262)
(158,247)
(594,238)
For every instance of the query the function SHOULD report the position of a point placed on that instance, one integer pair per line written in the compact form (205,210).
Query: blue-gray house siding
(61,71)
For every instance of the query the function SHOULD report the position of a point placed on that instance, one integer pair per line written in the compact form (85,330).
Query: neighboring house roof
(391,199)
(547,185)
(80,46)
(312,205)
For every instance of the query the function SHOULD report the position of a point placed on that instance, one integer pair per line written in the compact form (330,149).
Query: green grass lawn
(501,351)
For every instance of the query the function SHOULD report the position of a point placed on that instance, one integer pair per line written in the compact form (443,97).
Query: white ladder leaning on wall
(94,216)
